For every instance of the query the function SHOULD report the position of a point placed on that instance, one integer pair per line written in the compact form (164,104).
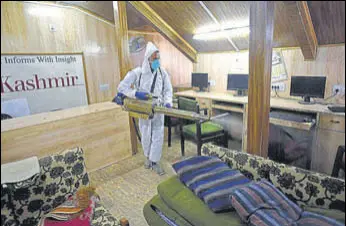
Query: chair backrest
(188,104)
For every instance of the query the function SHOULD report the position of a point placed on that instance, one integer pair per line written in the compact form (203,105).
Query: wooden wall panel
(102,130)
(218,65)
(25,29)
(330,61)
(177,64)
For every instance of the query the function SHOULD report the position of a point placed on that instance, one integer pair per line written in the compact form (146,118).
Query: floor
(125,187)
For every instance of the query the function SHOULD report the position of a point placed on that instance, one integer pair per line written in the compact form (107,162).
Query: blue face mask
(155,64)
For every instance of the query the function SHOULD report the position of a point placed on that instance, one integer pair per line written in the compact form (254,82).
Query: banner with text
(42,83)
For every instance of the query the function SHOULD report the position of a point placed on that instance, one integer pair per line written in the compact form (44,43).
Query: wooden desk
(279,103)
(328,135)
(101,130)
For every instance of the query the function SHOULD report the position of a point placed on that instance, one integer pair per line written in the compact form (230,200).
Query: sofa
(60,177)
(313,192)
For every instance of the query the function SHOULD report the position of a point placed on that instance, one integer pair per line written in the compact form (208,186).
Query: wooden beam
(302,27)
(122,43)
(165,29)
(260,64)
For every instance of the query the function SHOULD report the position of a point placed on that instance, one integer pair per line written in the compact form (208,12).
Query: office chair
(199,132)
(173,122)
(339,163)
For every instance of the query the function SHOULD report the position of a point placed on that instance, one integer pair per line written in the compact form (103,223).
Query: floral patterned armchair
(306,188)
(60,176)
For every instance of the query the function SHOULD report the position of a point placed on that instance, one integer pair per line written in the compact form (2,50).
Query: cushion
(207,129)
(308,188)
(257,202)
(183,201)
(253,167)
(60,177)
(211,180)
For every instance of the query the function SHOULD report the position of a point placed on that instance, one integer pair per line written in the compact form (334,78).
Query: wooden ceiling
(103,9)
(185,17)
(136,21)
(328,18)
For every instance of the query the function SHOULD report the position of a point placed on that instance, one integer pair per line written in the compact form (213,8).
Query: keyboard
(287,116)
(337,108)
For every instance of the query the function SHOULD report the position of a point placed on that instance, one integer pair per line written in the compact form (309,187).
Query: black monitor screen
(237,81)
(200,80)
(311,86)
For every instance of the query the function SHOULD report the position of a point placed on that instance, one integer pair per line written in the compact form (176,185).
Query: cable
(326,103)
(331,96)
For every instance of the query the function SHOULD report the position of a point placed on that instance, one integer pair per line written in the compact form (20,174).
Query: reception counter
(102,130)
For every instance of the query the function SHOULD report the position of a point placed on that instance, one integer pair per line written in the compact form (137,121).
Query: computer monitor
(200,80)
(238,82)
(307,87)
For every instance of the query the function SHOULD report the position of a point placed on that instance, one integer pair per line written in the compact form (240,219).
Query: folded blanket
(261,203)
(70,213)
(211,180)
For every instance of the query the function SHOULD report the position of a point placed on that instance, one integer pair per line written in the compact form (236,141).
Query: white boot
(147,164)
(157,168)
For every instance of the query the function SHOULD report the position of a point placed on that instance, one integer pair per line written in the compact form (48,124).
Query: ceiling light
(221,34)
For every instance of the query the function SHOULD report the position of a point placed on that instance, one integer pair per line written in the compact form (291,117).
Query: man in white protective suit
(150,79)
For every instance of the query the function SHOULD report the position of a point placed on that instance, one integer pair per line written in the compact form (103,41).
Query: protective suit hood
(150,49)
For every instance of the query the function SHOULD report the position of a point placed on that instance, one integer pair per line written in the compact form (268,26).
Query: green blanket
(154,219)
(183,201)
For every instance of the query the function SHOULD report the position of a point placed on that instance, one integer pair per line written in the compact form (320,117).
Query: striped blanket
(211,180)
(262,204)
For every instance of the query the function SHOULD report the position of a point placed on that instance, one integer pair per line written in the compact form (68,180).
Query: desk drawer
(204,103)
(332,122)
